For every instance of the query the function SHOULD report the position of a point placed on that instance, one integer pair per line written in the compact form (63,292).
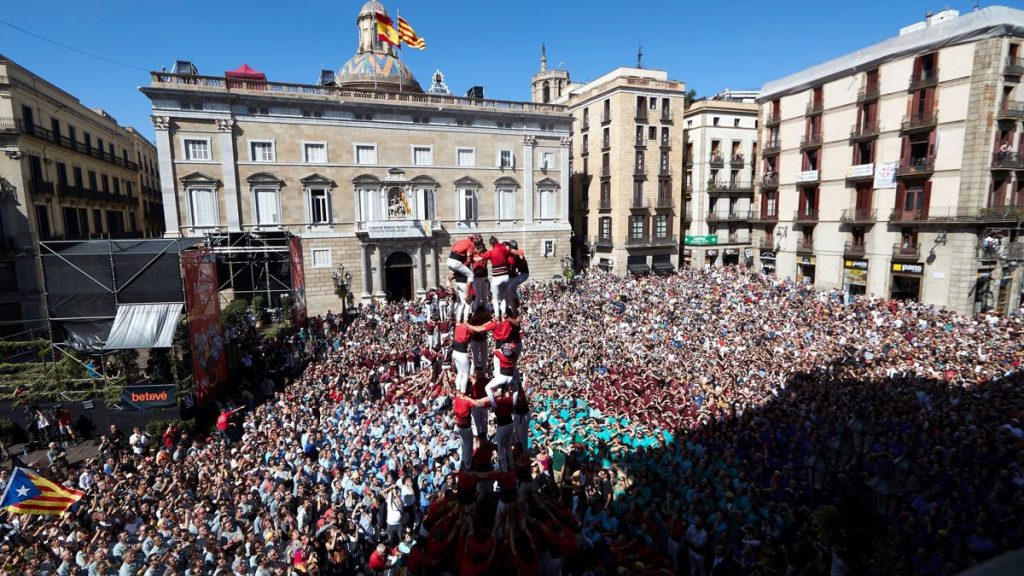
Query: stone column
(529,143)
(378,276)
(228,164)
(367,267)
(421,264)
(563,179)
(168,190)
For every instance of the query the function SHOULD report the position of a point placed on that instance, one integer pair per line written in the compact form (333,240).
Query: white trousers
(459,267)
(499,290)
(496,382)
(461,362)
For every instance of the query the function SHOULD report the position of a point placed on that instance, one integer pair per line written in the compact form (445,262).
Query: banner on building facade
(209,362)
(885,175)
(298,281)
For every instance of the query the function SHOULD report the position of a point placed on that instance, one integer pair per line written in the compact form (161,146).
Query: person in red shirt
(503,419)
(460,256)
(463,406)
(498,256)
(379,558)
(519,273)
(464,333)
(506,355)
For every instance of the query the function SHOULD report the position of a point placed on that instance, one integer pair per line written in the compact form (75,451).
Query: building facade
(627,202)
(374,175)
(720,157)
(895,171)
(66,172)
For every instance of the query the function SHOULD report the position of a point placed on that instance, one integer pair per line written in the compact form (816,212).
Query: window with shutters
(605,228)
(506,205)
(422,155)
(661,226)
(267,206)
(465,157)
(202,207)
(314,152)
(366,153)
(506,159)
(261,150)
(546,199)
(636,227)
(319,206)
(467,206)
(197,149)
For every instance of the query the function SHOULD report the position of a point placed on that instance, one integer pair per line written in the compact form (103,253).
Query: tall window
(319,206)
(605,227)
(547,160)
(466,157)
(197,149)
(636,227)
(661,226)
(366,154)
(547,204)
(203,206)
(467,206)
(422,155)
(315,152)
(505,159)
(268,210)
(261,151)
(506,204)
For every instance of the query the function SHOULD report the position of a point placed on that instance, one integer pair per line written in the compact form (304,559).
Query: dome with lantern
(375,65)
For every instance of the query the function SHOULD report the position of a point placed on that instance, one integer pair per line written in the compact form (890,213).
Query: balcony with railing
(737,161)
(766,243)
(859,215)
(1007,161)
(641,240)
(771,148)
(1011,111)
(854,248)
(923,79)
(805,246)
(606,202)
(666,116)
(862,132)
(639,202)
(772,120)
(815,108)
(916,167)
(1014,66)
(766,214)
(688,162)
(640,142)
(664,201)
(959,214)
(729,215)
(906,251)
(641,115)
(40,187)
(664,240)
(606,171)
(585,149)
(919,122)
(716,160)
(11,125)
(664,142)
(769,181)
(155,213)
(603,241)
(606,144)
(805,215)
(664,172)
(868,92)
(812,140)
(639,171)
(585,123)
(606,117)
(730,188)
(151,191)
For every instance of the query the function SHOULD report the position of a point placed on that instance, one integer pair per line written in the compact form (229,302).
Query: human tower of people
(648,426)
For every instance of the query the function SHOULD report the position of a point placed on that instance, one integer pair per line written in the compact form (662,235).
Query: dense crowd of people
(708,422)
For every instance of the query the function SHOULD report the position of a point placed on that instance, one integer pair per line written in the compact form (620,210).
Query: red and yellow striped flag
(30,493)
(408,35)
(386,30)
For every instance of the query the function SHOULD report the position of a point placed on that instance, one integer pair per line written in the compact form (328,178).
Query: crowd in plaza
(605,425)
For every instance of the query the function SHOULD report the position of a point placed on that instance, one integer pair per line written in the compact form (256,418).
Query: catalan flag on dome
(386,30)
(408,35)
(30,493)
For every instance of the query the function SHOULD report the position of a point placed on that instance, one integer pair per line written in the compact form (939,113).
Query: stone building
(720,159)
(67,172)
(895,171)
(627,186)
(372,173)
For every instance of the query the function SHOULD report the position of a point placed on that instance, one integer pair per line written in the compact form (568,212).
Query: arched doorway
(398,281)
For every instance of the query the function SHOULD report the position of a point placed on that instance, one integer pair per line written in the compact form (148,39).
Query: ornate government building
(374,174)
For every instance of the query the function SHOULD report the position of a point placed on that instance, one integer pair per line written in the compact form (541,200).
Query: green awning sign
(711,240)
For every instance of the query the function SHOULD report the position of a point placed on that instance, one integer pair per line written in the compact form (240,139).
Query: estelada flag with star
(30,493)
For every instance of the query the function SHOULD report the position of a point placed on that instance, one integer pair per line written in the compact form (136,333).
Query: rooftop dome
(375,65)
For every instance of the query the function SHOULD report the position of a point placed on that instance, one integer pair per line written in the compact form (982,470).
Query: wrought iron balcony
(688,161)
(919,122)
(815,108)
(639,203)
(688,216)
(960,215)
(924,79)
(730,187)
(906,252)
(737,161)
(916,167)
(716,160)
(861,132)
(606,144)
(859,215)
(605,241)
(641,115)
(729,215)
(805,246)
(606,171)
(1011,111)
(868,92)
(805,215)
(1014,66)
(585,124)
(664,201)
(1007,161)
(765,215)
(854,248)
(637,240)
(17,126)
(639,171)
(770,181)
(666,116)
(606,117)
(40,187)
(810,141)
(766,243)
(771,148)
(641,142)
(772,120)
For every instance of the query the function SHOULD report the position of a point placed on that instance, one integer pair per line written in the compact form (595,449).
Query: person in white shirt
(139,442)
(697,541)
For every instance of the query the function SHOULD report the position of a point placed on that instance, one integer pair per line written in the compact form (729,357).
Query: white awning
(143,326)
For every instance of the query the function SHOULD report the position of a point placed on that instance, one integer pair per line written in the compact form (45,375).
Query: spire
(640,56)
(543,58)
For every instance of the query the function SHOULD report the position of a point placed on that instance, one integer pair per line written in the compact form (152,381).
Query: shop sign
(914,268)
(711,240)
(731,252)
(807,260)
(767,255)
(855,264)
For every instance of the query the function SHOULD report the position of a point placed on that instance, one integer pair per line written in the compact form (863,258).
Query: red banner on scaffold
(209,360)
(298,281)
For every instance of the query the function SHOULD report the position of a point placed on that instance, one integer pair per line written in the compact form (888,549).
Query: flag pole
(398,26)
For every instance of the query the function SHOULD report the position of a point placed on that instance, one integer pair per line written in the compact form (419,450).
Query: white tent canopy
(143,326)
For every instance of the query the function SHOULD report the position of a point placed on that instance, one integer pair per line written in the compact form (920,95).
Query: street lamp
(819,472)
(863,435)
(342,285)
(567,267)
(886,494)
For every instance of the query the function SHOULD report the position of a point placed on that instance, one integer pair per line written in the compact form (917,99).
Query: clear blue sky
(709,45)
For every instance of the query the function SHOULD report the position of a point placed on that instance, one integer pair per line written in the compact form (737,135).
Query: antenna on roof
(640,56)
